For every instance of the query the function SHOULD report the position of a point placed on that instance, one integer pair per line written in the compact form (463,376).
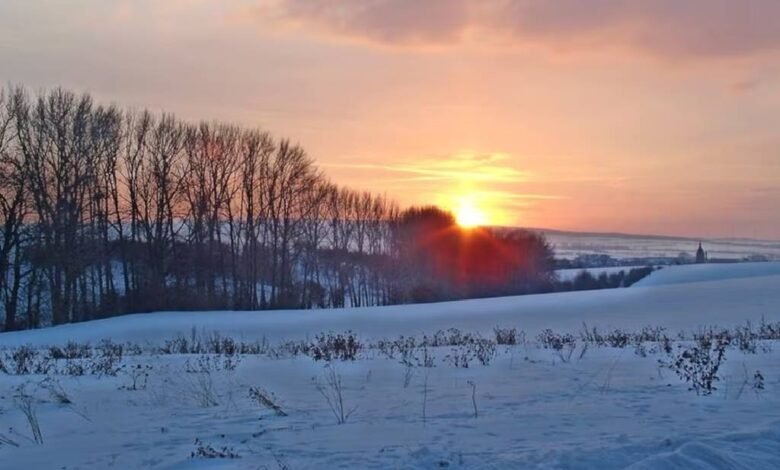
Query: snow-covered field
(709,272)
(601,407)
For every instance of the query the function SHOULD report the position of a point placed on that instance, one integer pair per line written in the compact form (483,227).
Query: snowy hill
(527,406)
(708,272)
(677,297)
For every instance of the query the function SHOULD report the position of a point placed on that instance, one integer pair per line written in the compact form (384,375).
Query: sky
(638,116)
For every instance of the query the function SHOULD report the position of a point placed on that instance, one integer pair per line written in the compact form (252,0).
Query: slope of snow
(688,306)
(605,408)
(708,272)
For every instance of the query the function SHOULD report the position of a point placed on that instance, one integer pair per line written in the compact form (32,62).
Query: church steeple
(701,255)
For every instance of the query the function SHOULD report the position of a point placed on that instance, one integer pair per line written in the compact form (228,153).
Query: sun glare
(468,215)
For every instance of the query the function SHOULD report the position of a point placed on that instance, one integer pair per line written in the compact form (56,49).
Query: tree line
(107,211)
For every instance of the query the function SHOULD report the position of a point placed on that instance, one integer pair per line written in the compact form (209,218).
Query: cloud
(397,21)
(487,180)
(745,85)
(666,28)
(459,168)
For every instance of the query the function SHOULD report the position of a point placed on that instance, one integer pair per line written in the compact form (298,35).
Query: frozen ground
(609,408)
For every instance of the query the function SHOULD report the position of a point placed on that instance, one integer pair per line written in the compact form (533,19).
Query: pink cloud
(397,22)
(670,28)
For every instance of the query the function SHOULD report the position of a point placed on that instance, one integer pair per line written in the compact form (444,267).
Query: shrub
(411,352)
(449,337)
(699,364)
(666,344)
(289,349)
(133,349)
(214,343)
(72,350)
(617,339)
(484,351)
(424,357)
(551,340)
(591,335)
(746,338)
(480,349)
(459,357)
(74,367)
(651,334)
(768,331)
(206,451)
(327,347)
(402,346)
(23,360)
(177,345)
(332,391)
(506,336)
(200,387)
(758,381)
(108,359)
(218,344)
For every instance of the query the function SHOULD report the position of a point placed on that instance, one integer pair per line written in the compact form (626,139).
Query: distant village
(697,256)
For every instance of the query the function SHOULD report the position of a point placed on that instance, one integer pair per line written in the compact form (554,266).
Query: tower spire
(701,256)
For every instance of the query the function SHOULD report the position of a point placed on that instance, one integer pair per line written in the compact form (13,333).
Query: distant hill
(569,244)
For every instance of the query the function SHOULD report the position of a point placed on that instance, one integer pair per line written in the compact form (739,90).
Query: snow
(680,306)
(708,272)
(609,409)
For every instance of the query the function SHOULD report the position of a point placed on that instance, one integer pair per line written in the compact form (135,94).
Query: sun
(469,215)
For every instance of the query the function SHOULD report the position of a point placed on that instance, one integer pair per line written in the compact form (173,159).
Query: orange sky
(650,116)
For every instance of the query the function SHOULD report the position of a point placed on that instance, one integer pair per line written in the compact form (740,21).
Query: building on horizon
(701,255)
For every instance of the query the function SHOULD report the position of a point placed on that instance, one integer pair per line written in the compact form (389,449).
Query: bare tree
(59,152)
(13,210)
(255,150)
(159,192)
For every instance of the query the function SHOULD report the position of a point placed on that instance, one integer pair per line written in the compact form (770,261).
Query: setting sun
(468,215)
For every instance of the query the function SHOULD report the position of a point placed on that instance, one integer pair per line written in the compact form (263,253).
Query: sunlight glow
(468,215)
